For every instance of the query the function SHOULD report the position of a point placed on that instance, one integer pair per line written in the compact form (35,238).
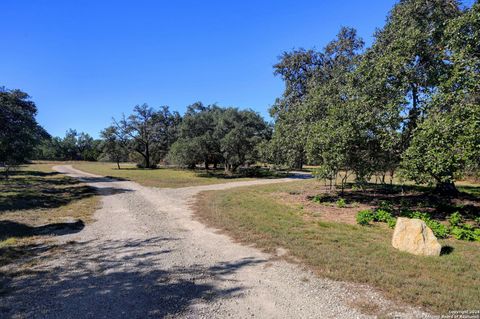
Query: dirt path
(146,257)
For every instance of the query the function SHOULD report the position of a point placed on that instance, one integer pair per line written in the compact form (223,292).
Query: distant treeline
(210,135)
(73,147)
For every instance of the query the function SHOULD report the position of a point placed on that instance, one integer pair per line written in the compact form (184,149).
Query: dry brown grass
(36,204)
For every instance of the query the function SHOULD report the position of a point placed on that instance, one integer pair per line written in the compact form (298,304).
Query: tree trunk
(7,170)
(147,157)
(206,165)
(446,188)
(118,164)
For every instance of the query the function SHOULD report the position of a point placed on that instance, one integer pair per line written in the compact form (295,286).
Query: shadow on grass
(242,173)
(411,197)
(116,279)
(13,229)
(38,190)
(446,250)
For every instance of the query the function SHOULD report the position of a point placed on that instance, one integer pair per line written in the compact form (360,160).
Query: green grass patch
(347,252)
(160,177)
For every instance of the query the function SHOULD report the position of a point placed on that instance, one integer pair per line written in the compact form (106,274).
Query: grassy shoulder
(343,251)
(161,177)
(37,203)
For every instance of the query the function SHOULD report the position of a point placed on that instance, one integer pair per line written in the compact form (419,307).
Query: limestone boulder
(414,236)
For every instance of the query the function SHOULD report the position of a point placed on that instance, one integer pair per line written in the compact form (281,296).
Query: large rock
(414,236)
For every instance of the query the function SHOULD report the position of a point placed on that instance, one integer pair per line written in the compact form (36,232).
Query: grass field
(37,203)
(161,177)
(346,252)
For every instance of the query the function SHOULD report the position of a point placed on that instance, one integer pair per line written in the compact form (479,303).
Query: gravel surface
(145,257)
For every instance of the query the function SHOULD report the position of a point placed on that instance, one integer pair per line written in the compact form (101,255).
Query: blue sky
(84,62)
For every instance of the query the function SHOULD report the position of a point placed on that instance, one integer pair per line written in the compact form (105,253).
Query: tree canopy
(213,135)
(409,101)
(19,130)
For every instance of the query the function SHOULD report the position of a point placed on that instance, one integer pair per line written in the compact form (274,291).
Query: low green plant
(419,215)
(364,217)
(476,232)
(439,230)
(391,222)
(382,215)
(341,203)
(463,233)
(455,219)
(317,198)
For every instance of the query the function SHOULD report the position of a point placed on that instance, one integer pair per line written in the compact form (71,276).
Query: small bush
(476,232)
(341,203)
(439,230)
(419,215)
(317,199)
(464,234)
(364,217)
(382,215)
(455,219)
(392,222)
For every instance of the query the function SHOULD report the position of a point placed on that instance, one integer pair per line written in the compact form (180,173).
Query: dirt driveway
(145,256)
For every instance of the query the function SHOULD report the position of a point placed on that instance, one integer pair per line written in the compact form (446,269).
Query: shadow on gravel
(112,279)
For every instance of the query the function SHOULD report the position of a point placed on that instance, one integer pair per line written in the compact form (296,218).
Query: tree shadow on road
(114,279)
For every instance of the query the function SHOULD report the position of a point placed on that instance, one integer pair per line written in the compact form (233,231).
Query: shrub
(391,222)
(341,203)
(382,215)
(476,232)
(317,198)
(439,230)
(477,221)
(419,215)
(464,234)
(364,217)
(455,219)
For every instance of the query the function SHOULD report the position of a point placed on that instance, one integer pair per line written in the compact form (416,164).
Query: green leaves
(19,130)
(212,135)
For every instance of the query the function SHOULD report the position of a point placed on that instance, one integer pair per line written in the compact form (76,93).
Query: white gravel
(145,257)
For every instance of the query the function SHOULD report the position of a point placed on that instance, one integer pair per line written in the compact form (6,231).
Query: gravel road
(146,257)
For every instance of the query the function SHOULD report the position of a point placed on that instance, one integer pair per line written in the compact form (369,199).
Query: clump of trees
(208,135)
(73,147)
(215,135)
(407,104)
(19,130)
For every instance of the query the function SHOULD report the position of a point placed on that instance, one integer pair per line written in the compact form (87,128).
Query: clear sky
(84,62)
